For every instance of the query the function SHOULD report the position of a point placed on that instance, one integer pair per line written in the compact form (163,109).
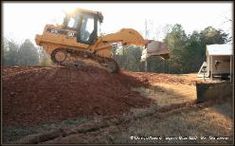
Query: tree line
(25,54)
(187,52)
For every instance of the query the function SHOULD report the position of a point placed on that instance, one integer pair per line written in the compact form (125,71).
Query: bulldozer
(77,39)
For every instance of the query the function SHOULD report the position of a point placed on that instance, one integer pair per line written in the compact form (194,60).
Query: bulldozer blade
(156,48)
(213,91)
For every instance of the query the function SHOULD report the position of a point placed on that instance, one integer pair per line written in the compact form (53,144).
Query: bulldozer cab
(85,23)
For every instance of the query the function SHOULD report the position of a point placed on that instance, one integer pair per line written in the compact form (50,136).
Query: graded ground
(90,105)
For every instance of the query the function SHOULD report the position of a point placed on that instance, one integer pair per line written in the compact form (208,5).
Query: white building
(219,61)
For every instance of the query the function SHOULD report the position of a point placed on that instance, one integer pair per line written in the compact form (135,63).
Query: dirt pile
(33,95)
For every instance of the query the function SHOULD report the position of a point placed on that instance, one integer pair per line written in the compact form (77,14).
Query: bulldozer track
(75,58)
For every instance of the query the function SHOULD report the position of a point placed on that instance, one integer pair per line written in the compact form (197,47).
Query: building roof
(219,49)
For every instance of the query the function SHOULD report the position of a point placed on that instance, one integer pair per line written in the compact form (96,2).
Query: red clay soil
(33,95)
(151,78)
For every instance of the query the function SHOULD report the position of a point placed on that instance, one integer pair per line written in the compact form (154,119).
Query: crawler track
(76,58)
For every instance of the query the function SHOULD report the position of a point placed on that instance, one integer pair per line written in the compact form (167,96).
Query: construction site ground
(89,105)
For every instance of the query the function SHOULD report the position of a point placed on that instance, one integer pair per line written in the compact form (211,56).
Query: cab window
(73,22)
(87,30)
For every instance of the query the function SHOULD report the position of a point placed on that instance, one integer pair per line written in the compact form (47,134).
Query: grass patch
(206,122)
(13,133)
(166,94)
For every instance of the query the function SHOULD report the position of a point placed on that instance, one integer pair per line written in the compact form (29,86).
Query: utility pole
(146,37)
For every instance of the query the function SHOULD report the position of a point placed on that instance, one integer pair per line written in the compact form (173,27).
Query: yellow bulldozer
(77,39)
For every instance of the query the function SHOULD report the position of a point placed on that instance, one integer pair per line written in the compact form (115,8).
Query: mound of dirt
(33,95)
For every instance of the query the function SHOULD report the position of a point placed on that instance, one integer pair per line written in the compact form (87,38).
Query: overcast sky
(25,20)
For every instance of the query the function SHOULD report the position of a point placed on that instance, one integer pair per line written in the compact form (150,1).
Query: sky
(24,20)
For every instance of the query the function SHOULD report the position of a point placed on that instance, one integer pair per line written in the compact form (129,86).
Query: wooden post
(231,68)
(204,73)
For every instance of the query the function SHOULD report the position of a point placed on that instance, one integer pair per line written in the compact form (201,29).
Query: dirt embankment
(33,95)
(36,94)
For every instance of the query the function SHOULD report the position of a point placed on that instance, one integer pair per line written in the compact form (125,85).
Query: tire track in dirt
(58,135)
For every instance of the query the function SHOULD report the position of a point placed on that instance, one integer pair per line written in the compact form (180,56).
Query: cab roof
(85,11)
